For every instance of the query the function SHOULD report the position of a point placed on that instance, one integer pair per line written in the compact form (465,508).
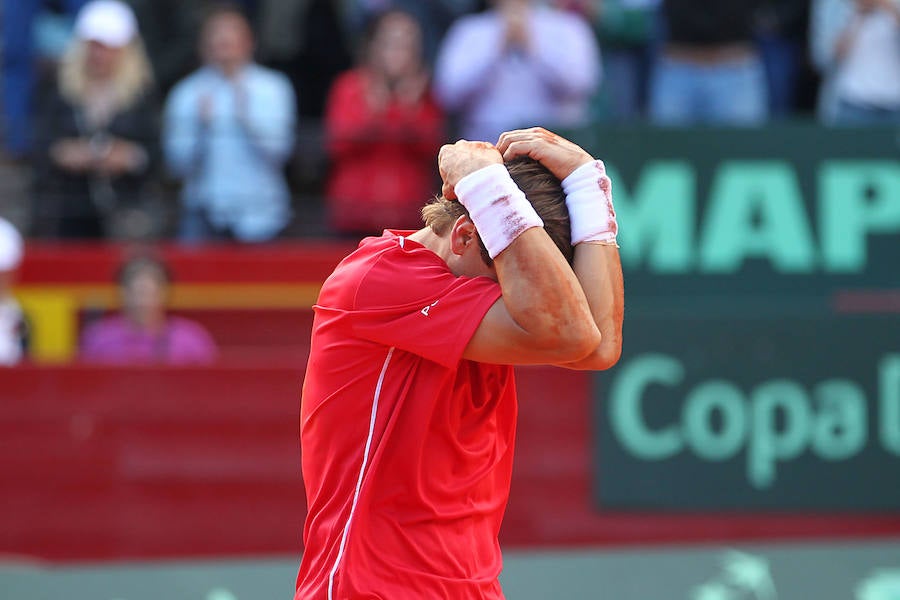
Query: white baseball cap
(11,246)
(110,22)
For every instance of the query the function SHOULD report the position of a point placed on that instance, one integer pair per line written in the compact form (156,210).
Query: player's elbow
(607,356)
(602,357)
(577,343)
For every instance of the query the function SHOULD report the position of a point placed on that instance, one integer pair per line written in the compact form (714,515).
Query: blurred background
(178,177)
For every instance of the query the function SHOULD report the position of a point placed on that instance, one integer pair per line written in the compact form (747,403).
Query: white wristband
(498,208)
(589,200)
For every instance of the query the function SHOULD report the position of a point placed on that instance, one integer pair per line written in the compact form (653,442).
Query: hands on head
(559,155)
(555,152)
(455,161)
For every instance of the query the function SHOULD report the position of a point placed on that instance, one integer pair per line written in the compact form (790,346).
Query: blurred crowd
(144,119)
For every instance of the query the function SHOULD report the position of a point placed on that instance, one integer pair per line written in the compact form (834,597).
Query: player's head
(542,189)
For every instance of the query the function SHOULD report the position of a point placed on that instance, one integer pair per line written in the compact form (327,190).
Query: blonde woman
(97,130)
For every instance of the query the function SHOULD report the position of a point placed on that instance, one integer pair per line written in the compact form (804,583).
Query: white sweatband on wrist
(589,200)
(498,208)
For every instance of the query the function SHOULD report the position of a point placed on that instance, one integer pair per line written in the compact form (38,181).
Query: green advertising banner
(796,209)
(760,413)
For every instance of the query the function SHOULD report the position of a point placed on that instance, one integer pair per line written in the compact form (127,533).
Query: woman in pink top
(143,333)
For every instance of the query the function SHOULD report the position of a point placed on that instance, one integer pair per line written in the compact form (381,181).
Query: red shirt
(407,448)
(383,163)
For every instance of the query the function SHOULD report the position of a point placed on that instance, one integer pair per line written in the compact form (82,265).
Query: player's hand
(455,161)
(558,154)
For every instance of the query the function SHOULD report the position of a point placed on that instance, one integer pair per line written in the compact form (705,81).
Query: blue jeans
(18,69)
(781,58)
(625,72)
(731,93)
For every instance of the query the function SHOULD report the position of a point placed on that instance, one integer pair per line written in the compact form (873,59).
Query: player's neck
(438,244)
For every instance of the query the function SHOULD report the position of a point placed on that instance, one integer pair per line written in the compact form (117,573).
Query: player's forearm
(596,264)
(599,272)
(544,298)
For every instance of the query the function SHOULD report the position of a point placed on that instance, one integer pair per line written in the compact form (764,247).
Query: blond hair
(132,79)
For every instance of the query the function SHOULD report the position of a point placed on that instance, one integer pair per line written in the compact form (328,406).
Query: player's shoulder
(394,259)
(395,250)
(349,273)
(386,271)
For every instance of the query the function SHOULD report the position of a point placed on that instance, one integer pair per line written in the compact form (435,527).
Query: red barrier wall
(48,262)
(152,462)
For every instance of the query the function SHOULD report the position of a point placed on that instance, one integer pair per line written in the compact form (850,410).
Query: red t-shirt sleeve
(409,299)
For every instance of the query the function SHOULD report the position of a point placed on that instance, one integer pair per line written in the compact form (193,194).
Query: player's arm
(543,315)
(599,271)
(589,199)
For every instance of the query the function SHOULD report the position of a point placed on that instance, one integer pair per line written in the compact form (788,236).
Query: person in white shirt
(13,330)
(856,45)
(516,65)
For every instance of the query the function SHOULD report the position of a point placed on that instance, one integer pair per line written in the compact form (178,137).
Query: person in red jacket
(383,132)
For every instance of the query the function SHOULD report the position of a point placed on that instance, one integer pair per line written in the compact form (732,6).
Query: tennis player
(408,415)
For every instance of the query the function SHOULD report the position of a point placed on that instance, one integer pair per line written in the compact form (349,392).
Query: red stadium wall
(179,462)
(148,462)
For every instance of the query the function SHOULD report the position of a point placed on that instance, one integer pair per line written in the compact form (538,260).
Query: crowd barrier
(190,462)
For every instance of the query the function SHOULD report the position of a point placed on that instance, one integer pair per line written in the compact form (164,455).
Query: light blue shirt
(232,166)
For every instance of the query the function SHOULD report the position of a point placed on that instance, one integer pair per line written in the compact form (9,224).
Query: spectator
(305,39)
(229,130)
(143,333)
(856,45)
(13,327)
(434,16)
(628,32)
(383,131)
(18,72)
(516,65)
(709,71)
(97,132)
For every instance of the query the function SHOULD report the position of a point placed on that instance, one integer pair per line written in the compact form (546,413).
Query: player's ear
(462,234)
